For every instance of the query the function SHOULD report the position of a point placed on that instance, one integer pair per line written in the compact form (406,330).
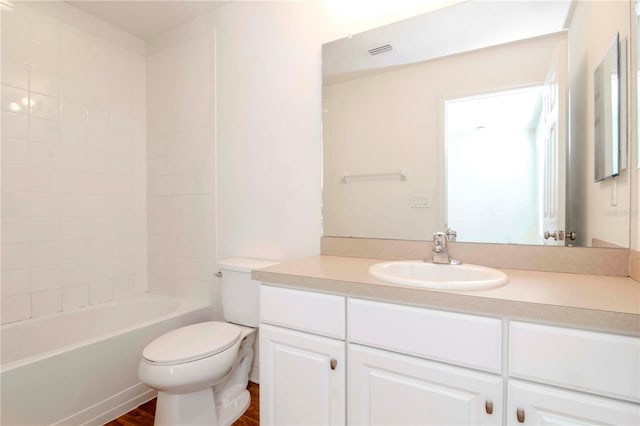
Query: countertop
(600,303)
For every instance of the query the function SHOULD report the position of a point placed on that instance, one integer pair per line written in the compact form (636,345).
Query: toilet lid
(192,343)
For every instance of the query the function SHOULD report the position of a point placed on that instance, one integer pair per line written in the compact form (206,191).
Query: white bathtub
(81,367)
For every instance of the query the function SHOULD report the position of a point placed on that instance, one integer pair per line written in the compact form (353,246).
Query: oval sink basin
(416,273)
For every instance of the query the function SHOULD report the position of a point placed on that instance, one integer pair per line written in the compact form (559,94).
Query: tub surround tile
(595,302)
(75,297)
(100,292)
(46,278)
(46,302)
(15,281)
(578,260)
(16,308)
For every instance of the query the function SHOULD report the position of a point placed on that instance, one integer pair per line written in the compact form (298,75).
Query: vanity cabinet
(302,358)
(327,359)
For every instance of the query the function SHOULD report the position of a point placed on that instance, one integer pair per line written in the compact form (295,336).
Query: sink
(417,273)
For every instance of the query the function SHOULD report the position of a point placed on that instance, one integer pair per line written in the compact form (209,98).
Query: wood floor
(144,414)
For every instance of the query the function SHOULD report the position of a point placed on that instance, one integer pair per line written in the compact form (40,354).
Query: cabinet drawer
(303,310)
(467,340)
(601,363)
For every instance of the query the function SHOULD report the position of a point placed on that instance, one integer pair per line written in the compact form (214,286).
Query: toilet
(201,371)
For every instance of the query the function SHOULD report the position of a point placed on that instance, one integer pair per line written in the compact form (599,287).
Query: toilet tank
(240,294)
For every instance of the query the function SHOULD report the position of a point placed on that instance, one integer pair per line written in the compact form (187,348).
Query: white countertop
(593,302)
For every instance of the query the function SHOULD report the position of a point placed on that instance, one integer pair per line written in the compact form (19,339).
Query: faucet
(440,252)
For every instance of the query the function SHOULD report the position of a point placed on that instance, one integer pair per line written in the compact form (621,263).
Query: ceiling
(146,19)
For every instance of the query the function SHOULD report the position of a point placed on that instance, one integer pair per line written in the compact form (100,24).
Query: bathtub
(81,367)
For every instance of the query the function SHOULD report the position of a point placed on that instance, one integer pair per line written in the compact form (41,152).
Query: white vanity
(331,354)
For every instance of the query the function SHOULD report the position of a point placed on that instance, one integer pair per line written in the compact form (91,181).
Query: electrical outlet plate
(420,201)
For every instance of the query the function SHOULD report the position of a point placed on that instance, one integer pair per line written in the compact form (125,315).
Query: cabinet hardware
(219,274)
(333,363)
(520,415)
(488,406)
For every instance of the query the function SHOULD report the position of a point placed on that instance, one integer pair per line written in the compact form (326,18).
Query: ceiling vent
(380,49)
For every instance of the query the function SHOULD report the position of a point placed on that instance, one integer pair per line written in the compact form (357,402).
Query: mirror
(607,113)
(418,112)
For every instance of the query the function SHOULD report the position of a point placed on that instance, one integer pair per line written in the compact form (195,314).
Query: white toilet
(201,371)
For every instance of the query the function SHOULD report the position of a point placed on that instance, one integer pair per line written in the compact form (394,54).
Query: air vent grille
(380,49)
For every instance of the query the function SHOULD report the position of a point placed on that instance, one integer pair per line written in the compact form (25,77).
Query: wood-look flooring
(144,414)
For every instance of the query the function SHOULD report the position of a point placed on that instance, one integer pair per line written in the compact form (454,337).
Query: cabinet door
(533,404)
(386,388)
(302,378)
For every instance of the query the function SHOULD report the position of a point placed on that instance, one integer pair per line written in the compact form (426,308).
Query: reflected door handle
(520,415)
(556,235)
(571,236)
(333,363)
(488,407)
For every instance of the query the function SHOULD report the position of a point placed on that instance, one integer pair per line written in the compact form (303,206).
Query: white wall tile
(15,256)
(74,227)
(73,155)
(43,180)
(46,302)
(73,112)
(14,100)
(73,135)
(43,155)
(45,204)
(16,308)
(45,253)
(15,126)
(123,287)
(75,251)
(73,205)
(75,297)
(75,273)
(15,229)
(44,82)
(45,229)
(46,277)
(43,106)
(16,203)
(15,152)
(15,281)
(15,178)
(14,73)
(73,89)
(100,292)
(44,131)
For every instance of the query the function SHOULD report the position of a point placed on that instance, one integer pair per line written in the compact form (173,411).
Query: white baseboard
(111,408)
(254,374)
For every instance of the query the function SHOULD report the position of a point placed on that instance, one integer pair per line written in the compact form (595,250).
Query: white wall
(73,165)
(591,214)
(269,121)
(181,161)
(393,120)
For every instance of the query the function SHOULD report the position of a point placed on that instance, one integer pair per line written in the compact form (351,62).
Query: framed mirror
(388,132)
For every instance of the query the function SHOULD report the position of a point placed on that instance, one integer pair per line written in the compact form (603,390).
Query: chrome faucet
(440,252)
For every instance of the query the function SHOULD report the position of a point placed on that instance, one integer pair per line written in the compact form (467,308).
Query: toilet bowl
(201,371)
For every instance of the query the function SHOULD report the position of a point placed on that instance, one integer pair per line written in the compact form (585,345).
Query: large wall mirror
(477,117)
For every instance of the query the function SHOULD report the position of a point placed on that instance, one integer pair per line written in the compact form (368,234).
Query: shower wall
(74,227)
(181,161)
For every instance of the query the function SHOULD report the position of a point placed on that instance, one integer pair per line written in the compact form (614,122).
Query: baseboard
(111,408)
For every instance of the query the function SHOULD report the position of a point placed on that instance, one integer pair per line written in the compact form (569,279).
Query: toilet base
(194,408)
(199,408)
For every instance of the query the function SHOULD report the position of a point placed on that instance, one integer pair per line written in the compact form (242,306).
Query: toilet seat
(192,343)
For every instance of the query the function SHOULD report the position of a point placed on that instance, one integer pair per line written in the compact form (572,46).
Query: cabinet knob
(488,406)
(333,363)
(520,415)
